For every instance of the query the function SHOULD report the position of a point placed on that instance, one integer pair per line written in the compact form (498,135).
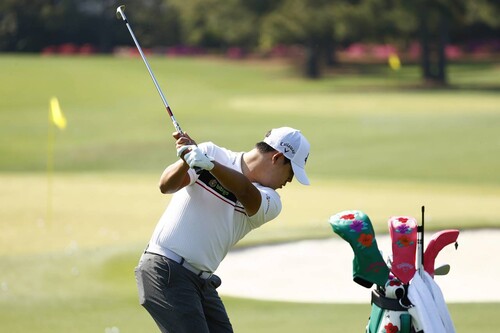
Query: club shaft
(167,107)
(422,238)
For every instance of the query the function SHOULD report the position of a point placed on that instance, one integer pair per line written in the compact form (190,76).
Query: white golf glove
(182,149)
(195,158)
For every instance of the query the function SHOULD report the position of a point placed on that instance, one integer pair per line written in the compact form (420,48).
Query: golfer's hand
(195,158)
(183,139)
(183,143)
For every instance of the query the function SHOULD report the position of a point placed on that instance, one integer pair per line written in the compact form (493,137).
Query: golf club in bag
(405,299)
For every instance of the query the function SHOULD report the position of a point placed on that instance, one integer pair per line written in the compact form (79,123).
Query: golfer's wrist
(183,150)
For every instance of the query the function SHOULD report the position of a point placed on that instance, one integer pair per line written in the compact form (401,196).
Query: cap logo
(288,147)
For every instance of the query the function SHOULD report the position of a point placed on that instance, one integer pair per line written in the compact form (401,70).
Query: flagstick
(56,119)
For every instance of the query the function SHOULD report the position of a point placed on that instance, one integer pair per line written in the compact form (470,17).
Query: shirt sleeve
(192,176)
(270,207)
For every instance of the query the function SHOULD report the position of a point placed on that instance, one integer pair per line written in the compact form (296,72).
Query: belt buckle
(205,275)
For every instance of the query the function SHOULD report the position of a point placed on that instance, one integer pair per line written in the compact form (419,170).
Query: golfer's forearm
(174,177)
(239,185)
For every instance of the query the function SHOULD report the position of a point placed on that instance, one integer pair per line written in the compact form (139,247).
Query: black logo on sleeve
(211,182)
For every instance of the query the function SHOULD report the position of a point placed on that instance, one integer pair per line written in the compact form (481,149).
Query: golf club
(120,14)
(422,257)
(420,246)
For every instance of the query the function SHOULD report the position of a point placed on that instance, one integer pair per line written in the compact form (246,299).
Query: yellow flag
(394,62)
(56,114)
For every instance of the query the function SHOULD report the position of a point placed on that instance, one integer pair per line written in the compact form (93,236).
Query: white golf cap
(294,146)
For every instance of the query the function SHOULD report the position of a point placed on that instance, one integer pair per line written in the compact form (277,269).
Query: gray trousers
(178,300)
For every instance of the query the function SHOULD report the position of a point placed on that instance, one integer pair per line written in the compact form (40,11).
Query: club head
(442,270)
(120,13)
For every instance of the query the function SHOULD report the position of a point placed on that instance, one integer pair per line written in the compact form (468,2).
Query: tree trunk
(330,52)
(443,41)
(433,41)
(424,43)
(312,67)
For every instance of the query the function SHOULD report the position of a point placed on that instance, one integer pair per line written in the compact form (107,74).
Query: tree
(214,23)
(22,24)
(308,23)
(156,23)
(318,24)
(437,19)
(481,18)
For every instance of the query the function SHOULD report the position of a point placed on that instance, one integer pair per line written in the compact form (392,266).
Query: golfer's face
(282,173)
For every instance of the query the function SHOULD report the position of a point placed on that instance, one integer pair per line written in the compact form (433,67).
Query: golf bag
(405,299)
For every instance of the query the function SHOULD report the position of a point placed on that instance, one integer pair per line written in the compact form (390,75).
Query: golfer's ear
(276,156)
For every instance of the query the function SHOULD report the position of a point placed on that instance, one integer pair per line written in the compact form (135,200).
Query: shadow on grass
(460,77)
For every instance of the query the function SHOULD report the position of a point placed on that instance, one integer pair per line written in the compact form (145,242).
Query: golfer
(218,197)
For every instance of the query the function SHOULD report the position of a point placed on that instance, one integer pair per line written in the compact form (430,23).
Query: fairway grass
(358,126)
(399,104)
(100,209)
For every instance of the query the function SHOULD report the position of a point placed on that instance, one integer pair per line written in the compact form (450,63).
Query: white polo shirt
(204,220)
